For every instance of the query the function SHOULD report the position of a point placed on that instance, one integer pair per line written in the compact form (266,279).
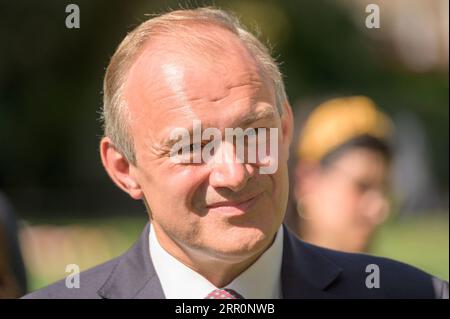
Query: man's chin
(240,245)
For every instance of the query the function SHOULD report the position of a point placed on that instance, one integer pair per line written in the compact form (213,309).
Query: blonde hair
(115,116)
(339,120)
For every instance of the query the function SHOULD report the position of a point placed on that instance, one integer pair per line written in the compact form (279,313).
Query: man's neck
(220,271)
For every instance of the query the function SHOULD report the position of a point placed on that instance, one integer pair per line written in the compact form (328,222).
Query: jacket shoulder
(90,282)
(381,277)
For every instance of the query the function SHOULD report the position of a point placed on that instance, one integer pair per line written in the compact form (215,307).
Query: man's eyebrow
(168,143)
(267,113)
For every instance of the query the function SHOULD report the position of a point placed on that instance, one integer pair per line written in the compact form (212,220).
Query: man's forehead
(199,49)
(174,83)
(167,80)
(153,62)
(162,72)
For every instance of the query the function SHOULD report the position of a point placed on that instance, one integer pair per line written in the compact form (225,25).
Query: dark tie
(224,294)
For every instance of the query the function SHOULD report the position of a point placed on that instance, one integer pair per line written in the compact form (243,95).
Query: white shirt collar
(262,280)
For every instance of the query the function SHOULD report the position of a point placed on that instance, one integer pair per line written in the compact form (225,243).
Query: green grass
(419,241)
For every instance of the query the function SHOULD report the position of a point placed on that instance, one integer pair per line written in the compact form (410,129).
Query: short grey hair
(115,115)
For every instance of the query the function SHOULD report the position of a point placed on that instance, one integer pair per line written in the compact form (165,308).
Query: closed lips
(233,203)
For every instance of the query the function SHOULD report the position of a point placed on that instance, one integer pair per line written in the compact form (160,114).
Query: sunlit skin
(216,218)
(342,205)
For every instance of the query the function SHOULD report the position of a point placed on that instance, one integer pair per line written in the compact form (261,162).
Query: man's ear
(287,126)
(119,169)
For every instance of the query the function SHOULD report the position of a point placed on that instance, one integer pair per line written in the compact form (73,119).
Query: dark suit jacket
(307,272)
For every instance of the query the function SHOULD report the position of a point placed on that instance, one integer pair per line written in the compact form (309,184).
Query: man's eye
(363,186)
(192,148)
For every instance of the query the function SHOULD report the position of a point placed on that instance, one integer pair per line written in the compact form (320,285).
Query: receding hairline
(162,50)
(171,24)
(165,45)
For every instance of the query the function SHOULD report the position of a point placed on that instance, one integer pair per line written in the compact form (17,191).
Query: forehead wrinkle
(247,80)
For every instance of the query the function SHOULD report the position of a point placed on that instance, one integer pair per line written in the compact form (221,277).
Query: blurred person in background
(12,270)
(341,174)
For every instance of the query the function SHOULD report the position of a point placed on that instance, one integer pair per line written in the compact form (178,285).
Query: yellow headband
(339,120)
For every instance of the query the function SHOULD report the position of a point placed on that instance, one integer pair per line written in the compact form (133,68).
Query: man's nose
(227,171)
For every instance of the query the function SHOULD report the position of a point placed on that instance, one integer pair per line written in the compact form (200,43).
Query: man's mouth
(235,207)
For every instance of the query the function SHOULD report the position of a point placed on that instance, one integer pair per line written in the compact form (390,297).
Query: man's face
(223,210)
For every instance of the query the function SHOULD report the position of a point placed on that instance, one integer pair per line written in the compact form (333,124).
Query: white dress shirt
(261,280)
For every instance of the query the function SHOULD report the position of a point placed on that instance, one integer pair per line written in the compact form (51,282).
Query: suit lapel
(134,275)
(305,273)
